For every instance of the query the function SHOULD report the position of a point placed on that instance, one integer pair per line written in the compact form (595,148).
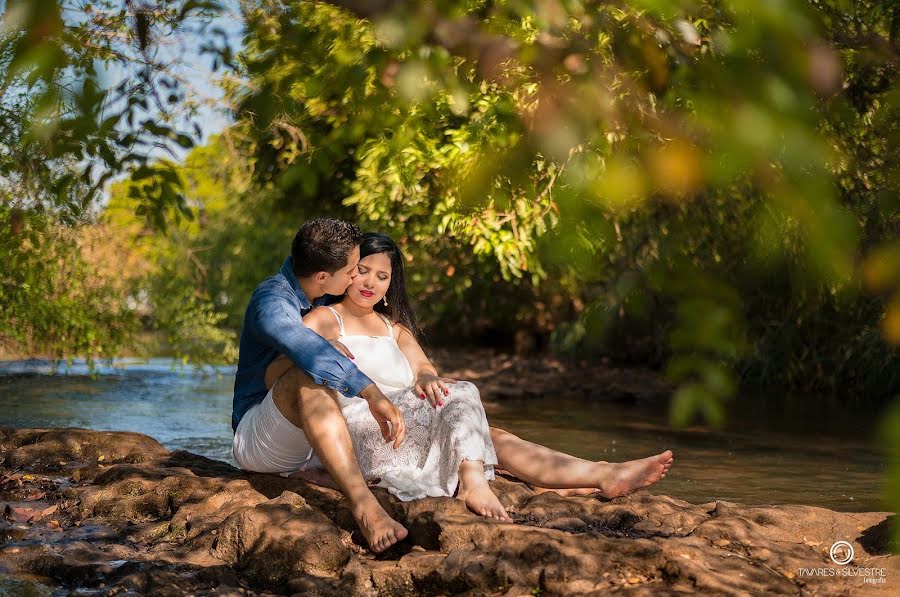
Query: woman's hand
(432,387)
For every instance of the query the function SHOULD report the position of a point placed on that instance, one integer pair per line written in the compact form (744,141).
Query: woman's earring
(385,300)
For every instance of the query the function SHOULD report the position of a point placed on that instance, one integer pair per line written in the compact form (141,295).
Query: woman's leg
(476,493)
(543,467)
(465,438)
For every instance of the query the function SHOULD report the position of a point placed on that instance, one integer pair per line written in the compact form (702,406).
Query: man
(298,421)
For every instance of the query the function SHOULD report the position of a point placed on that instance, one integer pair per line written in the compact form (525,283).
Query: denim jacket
(273,326)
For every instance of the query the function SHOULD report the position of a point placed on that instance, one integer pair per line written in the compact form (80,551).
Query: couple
(331,376)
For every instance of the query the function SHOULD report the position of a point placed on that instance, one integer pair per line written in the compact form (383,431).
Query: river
(772,451)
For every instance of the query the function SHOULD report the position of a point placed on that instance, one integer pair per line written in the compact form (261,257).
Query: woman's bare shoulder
(323,322)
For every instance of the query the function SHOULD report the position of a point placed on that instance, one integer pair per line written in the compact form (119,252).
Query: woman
(448,442)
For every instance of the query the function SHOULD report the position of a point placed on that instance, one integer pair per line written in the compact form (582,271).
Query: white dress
(437,440)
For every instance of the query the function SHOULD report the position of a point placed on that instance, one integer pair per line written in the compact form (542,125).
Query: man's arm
(278,323)
(322,322)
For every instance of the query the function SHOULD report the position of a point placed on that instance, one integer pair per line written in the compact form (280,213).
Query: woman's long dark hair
(398,309)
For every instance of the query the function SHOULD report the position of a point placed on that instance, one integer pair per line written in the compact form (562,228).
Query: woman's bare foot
(481,500)
(628,476)
(476,493)
(379,529)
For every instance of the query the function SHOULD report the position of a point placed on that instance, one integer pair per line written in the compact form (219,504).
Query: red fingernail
(440,404)
(421,395)
(446,392)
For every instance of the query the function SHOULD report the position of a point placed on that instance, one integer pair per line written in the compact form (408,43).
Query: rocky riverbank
(501,376)
(116,513)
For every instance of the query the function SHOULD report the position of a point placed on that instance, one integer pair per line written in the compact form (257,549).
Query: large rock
(51,449)
(112,512)
(279,539)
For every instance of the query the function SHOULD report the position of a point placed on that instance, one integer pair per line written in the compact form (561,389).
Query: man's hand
(384,411)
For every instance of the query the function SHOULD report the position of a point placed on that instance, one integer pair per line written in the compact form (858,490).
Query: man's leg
(314,409)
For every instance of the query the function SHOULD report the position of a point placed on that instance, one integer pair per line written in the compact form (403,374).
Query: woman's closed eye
(381,275)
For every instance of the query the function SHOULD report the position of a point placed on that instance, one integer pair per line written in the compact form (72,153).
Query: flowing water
(773,450)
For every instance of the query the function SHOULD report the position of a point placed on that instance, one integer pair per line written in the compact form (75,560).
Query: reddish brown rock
(150,521)
(280,539)
(50,450)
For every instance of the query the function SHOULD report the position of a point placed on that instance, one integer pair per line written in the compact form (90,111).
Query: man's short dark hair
(322,245)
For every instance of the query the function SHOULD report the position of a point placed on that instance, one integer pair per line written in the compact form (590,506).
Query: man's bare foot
(481,500)
(321,477)
(571,492)
(628,476)
(380,530)
(317,476)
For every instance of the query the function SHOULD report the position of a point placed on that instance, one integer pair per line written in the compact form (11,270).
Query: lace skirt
(436,442)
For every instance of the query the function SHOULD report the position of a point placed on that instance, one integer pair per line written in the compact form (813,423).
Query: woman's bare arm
(412,350)
(428,383)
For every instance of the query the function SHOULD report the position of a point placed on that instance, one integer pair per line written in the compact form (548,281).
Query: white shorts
(266,442)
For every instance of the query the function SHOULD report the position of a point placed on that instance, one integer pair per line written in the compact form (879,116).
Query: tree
(63,136)
(680,154)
